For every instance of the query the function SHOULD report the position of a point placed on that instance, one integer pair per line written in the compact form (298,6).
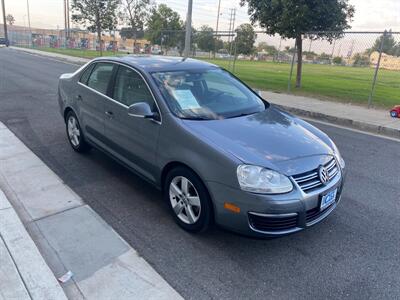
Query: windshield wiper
(241,115)
(195,118)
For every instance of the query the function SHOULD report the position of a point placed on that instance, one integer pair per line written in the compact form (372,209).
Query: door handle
(109,114)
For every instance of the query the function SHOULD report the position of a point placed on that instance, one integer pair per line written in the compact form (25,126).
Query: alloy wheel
(74,133)
(185,200)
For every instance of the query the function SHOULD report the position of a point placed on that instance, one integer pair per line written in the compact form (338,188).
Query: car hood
(272,139)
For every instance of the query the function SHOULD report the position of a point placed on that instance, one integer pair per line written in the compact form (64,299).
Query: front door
(132,139)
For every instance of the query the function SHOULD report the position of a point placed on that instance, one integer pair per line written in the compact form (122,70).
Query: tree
(128,33)
(134,13)
(310,55)
(360,60)
(245,39)
(313,19)
(164,26)
(219,44)
(10,19)
(205,38)
(97,15)
(180,37)
(338,60)
(263,46)
(389,46)
(324,57)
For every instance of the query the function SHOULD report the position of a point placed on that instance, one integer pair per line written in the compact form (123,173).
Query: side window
(100,77)
(130,88)
(85,76)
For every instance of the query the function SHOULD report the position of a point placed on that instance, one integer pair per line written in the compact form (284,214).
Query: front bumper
(272,215)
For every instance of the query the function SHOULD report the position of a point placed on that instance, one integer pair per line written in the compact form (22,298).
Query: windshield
(207,94)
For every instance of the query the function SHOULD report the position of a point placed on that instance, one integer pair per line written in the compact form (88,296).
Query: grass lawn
(338,83)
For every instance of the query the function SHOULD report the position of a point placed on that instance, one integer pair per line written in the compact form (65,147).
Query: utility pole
(231,33)
(188,28)
(65,19)
(68,21)
(4,20)
(230,24)
(29,21)
(216,28)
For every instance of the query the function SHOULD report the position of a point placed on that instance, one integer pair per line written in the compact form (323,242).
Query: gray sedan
(217,150)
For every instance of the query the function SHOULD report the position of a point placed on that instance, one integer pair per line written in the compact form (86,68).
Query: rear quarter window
(86,73)
(100,77)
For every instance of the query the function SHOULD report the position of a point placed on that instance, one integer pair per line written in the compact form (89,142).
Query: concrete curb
(377,129)
(23,273)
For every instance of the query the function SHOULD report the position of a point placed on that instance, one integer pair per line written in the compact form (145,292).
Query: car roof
(158,63)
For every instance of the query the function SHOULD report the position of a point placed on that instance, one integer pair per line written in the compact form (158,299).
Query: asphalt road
(355,253)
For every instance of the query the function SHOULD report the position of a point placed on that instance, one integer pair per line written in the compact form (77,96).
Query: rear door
(132,139)
(91,99)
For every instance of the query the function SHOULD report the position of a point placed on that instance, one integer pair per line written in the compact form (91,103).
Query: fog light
(232,207)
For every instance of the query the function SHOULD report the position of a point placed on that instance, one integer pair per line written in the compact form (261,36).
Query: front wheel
(188,199)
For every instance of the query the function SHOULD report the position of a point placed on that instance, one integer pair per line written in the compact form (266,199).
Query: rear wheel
(188,200)
(74,133)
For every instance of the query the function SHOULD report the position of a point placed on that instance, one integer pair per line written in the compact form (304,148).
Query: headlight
(264,181)
(341,160)
(339,156)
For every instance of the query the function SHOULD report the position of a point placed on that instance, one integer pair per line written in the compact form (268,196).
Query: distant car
(156,51)
(213,146)
(395,112)
(4,42)
(112,47)
(223,56)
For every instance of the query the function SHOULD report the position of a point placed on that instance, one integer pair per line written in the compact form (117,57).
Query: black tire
(81,146)
(205,218)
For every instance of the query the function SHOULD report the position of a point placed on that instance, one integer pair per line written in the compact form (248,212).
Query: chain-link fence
(358,67)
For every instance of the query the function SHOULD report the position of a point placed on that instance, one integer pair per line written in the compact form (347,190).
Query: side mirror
(141,110)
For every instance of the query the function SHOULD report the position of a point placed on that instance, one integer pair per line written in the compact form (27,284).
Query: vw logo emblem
(323,174)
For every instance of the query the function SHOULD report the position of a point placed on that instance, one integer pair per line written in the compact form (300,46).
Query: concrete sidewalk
(67,58)
(69,235)
(371,120)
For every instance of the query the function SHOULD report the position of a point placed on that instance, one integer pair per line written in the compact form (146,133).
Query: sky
(371,15)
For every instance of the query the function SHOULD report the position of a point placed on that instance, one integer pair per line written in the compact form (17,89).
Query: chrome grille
(310,181)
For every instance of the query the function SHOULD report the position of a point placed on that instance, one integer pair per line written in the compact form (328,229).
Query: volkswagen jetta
(216,149)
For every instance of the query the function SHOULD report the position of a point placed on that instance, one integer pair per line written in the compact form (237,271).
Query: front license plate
(328,199)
